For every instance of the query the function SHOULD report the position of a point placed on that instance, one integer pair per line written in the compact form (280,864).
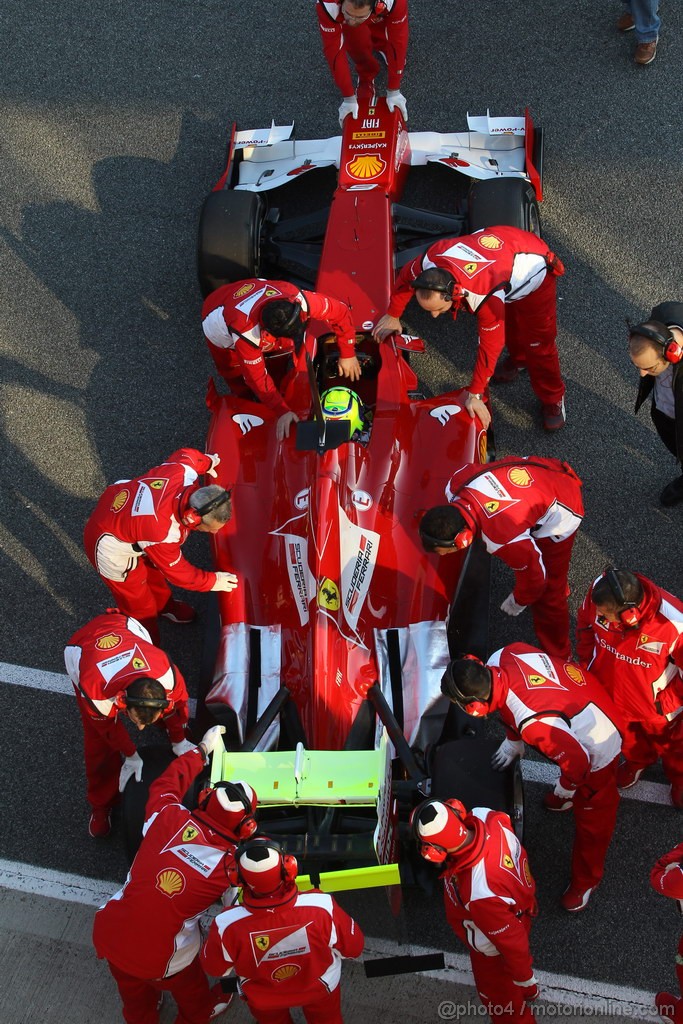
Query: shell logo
(285,972)
(119,501)
(490,242)
(366,165)
(527,873)
(483,446)
(575,674)
(108,642)
(244,290)
(170,882)
(519,477)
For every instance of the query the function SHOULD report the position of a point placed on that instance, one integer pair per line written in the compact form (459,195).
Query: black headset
(629,612)
(421,282)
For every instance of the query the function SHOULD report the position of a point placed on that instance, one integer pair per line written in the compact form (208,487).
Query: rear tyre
(508,201)
(229,241)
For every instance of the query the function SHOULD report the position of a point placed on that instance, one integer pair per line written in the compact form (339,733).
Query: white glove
(510,606)
(133,765)
(562,793)
(212,738)
(506,754)
(215,461)
(349,105)
(182,747)
(395,98)
(225,581)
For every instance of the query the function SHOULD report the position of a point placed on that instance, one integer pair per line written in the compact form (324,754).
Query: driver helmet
(343,404)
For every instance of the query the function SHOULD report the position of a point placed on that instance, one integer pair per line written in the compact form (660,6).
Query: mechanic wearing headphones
(134,535)
(116,670)
(527,512)
(629,633)
(507,277)
(356,28)
(149,931)
(564,713)
(656,350)
(285,946)
(489,895)
(246,320)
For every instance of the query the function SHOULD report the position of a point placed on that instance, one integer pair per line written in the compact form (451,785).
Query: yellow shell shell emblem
(483,446)
(575,674)
(108,642)
(285,972)
(519,477)
(490,242)
(527,873)
(244,290)
(328,595)
(366,165)
(170,882)
(262,941)
(119,501)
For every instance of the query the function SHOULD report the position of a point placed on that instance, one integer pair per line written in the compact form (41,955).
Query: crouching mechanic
(149,931)
(562,711)
(507,277)
(248,320)
(527,512)
(354,28)
(489,894)
(286,947)
(629,633)
(135,534)
(116,670)
(666,878)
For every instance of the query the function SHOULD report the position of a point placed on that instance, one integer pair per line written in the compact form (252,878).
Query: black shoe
(673,492)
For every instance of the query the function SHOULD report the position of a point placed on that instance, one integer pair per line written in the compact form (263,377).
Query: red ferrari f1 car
(329,654)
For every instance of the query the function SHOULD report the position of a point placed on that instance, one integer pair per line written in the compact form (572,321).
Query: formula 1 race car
(329,654)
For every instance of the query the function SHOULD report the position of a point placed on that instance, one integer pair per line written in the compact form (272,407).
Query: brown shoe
(645,53)
(625,23)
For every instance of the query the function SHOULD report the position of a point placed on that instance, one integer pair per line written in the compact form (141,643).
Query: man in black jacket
(656,350)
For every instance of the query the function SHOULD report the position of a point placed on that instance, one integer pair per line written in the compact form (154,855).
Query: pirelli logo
(360,136)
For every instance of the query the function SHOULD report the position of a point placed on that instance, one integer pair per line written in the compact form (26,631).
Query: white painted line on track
(532,771)
(562,989)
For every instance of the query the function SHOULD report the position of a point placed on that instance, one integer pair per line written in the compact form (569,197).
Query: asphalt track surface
(113,129)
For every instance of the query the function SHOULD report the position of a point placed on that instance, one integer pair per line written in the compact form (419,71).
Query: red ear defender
(465,537)
(629,613)
(672,350)
(190,517)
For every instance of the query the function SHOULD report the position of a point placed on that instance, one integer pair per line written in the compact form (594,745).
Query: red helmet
(265,871)
(231,805)
(439,828)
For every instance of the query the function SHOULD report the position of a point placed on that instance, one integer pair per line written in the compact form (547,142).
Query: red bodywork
(326,547)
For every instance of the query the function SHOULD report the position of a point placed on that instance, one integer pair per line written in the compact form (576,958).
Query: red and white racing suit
(489,895)
(528,511)
(385,31)
(508,277)
(666,878)
(149,931)
(285,956)
(238,344)
(563,712)
(134,536)
(642,670)
(102,659)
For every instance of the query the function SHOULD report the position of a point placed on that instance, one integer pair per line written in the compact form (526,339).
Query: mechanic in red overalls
(149,931)
(286,947)
(356,28)
(562,711)
(507,277)
(246,320)
(526,511)
(629,633)
(489,895)
(116,670)
(135,533)
(666,878)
